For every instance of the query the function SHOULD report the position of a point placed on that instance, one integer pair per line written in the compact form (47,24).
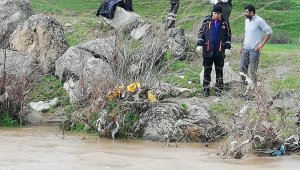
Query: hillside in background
(282,15)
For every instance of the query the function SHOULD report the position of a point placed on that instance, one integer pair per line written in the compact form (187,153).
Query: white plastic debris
(242,111)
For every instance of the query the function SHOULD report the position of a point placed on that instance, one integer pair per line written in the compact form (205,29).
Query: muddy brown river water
(40,148)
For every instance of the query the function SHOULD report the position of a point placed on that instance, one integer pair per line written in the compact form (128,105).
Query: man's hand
(259,47)
(227,52)
(241,50)
(199,49)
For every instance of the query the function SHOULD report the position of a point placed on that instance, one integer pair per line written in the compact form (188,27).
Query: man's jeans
(249,59)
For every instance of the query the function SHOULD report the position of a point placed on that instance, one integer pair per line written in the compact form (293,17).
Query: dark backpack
(230,2)
(127,5)
(103,8)
(107,8)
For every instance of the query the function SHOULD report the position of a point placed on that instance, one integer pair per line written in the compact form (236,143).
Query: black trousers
(172,14)
(219,64)
(127,5)
(174,6)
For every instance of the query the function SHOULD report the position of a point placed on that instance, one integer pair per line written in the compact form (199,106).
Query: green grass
(282,56)
(190,74)
(66,7)
(289,82)
(7,121)
(224,109)
(48,88)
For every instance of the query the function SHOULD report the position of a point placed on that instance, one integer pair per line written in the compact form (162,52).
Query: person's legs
(172,14)
(244,63)
(253,65)
(219,64)
(207,64)
(174,6)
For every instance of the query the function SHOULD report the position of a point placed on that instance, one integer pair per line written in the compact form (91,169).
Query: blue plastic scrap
(279,152)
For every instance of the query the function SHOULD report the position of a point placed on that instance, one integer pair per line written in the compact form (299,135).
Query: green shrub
(279,37)
(130,119)
(79,127)
(7,121)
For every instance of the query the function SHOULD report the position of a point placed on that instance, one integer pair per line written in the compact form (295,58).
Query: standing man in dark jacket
(174,5)
(214,37)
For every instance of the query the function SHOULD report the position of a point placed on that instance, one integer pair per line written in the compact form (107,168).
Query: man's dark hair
(250,8)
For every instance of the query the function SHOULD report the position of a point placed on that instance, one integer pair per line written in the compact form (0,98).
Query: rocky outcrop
(17,64)
(84,67)
(43,105)
(100,48)
(123,20)
(140,31)
(184,120)
(166,90)
(12,13)
(126,21)
(176,42)
(288,100)
(16,79)
(41,36)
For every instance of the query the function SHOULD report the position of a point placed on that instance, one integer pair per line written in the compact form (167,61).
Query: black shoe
(218,92)
(206,91)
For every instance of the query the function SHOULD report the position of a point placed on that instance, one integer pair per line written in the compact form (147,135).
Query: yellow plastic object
(151,97)
(115,93)
(133,87)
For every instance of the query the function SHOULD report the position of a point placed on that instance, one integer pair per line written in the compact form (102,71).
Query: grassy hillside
(282,15)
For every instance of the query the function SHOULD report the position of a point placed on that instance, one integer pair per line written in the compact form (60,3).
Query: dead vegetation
(14,89)
(133,62)
(258,128)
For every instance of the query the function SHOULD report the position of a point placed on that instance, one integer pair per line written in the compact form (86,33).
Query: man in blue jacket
(214,37)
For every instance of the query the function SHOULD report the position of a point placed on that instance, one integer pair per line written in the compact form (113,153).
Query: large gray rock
(84,67)
(176,41)
(43,105)
(12,13)
(184,120)
(123,20)
(288,100)
(158,121)
(17,64)
(229,75)
(20,72)
(166,90)
(41,36)
(101,48)
(140,31)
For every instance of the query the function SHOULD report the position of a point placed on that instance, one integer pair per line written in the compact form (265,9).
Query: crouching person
(213,38)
